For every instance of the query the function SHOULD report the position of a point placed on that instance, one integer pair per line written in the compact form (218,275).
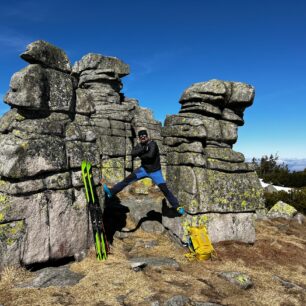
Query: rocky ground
(273,273)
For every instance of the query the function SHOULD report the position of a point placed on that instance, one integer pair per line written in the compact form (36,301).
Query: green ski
(95,212)
(84,177)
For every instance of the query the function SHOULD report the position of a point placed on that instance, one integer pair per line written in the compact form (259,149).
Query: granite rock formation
(62,114)
(211,180)
(59,116)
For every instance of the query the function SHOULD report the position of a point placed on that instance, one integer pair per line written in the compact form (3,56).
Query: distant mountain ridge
(294,164)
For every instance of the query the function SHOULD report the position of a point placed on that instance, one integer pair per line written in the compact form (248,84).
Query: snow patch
(278,188)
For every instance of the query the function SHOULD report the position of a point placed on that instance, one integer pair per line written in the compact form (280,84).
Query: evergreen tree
(271,171)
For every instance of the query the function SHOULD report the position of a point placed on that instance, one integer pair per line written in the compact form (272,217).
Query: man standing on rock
(148,152)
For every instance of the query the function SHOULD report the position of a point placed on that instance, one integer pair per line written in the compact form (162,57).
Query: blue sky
(171,44)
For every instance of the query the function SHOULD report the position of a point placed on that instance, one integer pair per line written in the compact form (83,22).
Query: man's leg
(136,175)
(169,195)
(158,179)
(121,185)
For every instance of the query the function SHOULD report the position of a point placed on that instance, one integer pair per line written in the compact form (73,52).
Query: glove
(181,210)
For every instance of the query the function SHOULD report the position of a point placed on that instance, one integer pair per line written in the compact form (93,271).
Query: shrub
(295,198)
(275,173)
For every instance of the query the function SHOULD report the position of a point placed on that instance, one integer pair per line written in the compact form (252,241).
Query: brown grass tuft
(12,275)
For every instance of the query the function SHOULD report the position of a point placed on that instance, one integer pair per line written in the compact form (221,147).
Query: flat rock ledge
(53,276)
(137,263)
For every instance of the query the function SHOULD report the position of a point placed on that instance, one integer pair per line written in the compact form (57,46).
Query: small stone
(239,279)
(146,244)
(261,214)
(152,227)
(150,244)
(178,300)
(287,284)
(282,210)
(120,299)
(122,234)
(80,256)
(270,189)
(138,266)
(300,218)
(205,304)
(155,262)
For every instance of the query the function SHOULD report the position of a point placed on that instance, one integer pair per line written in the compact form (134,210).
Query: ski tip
(84,163)
(88,165)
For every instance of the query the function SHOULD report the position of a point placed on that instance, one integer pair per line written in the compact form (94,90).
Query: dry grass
(279,250)
(11,275)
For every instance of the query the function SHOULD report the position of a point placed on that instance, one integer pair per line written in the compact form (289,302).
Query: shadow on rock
(152,215)
(169,212)
(114,217)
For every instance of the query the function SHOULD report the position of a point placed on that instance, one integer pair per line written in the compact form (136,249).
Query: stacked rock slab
(212,181)
(42,214)
(114,118)
(60,116)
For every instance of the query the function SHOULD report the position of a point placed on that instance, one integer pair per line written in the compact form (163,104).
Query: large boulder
(21,158)
(37,88)
(210,179)
(100,64)
(27,88)
(47,55)
(282,210)
(48,225)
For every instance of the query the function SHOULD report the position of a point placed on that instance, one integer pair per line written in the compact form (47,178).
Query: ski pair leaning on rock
(148,152)
(99,235)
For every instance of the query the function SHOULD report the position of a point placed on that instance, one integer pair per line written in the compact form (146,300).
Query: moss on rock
(282,210)
(11,232)
(224,192)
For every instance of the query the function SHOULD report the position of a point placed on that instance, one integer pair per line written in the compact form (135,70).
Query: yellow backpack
(199,244)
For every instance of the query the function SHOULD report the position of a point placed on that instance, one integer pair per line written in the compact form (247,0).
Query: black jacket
(149,155)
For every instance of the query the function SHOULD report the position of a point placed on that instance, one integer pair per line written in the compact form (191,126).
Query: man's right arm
(137,150)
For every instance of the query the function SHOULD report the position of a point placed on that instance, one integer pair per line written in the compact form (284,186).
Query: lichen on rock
(282,210)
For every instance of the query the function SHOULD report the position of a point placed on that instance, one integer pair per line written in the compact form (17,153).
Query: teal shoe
(107,191)
(181,210)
